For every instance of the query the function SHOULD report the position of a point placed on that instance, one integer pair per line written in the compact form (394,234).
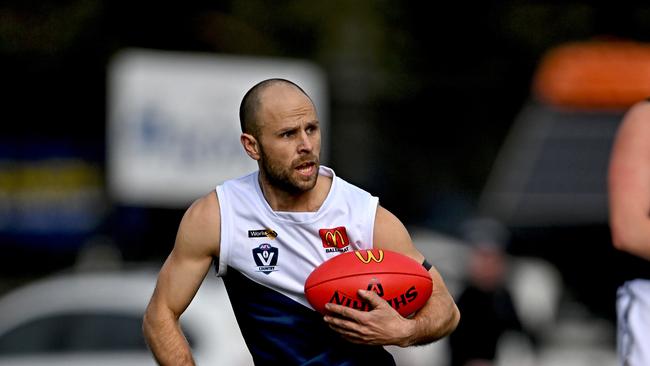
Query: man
(629,204)
(485,301)
(268,230)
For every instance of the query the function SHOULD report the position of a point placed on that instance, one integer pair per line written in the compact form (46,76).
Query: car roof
(209,316)
(79,291)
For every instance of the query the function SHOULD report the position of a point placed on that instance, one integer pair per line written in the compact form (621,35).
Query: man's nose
(306,145)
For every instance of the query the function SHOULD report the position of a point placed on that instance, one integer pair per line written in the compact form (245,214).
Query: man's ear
(250,144)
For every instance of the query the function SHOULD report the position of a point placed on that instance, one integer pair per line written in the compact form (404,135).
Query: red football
(398,279)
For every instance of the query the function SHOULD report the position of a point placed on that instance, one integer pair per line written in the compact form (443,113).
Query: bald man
(265,232)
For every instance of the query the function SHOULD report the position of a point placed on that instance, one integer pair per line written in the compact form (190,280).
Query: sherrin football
(398,279)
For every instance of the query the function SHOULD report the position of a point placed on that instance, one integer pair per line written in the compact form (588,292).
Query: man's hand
(382,325)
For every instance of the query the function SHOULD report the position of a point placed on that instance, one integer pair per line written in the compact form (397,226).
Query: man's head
(488,261)
(251,103)
(280,130)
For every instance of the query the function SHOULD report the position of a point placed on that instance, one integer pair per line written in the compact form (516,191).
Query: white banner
(173,123)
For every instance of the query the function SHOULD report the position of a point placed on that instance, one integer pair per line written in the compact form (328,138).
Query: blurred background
(118,114)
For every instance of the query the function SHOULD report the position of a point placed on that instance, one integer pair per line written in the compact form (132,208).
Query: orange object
(404,283)
(593,75)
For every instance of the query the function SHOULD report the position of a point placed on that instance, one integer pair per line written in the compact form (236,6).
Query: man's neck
(306,201)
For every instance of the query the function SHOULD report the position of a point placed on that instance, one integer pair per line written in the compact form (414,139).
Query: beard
(284,178)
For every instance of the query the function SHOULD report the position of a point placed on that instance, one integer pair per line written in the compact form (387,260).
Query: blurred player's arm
(384,325)
(197,242)
(629,183)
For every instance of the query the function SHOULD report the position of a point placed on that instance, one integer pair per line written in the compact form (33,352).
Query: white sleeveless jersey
(266,256)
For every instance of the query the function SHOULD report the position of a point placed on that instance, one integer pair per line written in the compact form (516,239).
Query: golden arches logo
(335,239)
(371,256)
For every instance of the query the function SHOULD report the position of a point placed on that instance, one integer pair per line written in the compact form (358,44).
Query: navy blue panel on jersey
(280,331)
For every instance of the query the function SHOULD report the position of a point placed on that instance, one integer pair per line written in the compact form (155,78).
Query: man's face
(289,139)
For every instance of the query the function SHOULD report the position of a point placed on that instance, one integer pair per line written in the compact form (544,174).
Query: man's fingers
(372,298)
(344,311)
(343,326)
(350,331)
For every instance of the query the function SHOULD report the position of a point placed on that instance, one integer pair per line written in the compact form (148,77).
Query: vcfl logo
(266,258)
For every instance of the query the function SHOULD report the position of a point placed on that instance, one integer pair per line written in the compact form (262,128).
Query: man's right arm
(197,243)
(629,183)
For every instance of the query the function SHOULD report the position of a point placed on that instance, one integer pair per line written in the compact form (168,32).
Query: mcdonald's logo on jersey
(366,256)
(335,240)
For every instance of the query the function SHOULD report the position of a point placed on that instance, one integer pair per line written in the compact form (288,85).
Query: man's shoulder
(639,113)
(199,230)
(207,205)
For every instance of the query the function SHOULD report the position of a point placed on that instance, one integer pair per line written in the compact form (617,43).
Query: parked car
(95,319)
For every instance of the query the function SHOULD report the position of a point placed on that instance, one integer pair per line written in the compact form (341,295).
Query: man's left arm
(383,325)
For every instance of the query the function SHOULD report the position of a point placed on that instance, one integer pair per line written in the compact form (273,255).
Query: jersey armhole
(373,205)
(224,240)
